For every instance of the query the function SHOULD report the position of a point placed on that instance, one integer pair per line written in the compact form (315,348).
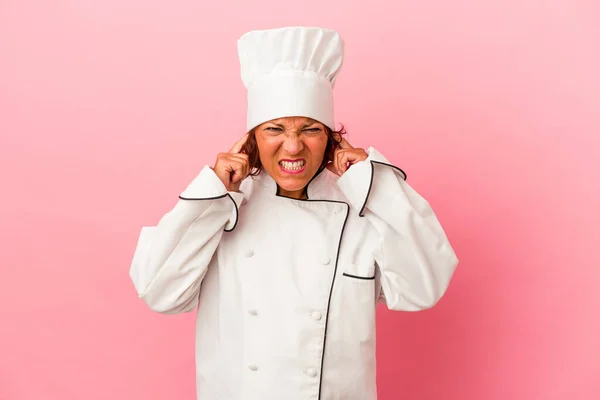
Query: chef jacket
(286,290)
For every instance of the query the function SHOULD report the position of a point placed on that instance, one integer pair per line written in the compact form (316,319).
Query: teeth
(292,166)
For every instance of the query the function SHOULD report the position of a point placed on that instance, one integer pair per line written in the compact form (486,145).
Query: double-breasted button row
(315,315)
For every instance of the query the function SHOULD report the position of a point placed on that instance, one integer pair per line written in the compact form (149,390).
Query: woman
(286,244)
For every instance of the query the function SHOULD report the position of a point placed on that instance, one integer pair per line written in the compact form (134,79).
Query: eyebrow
(307,124)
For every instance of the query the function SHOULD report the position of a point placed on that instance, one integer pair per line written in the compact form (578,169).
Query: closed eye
(312,130)
(306,130)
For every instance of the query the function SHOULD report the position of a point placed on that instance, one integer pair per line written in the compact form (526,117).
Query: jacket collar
(317,187)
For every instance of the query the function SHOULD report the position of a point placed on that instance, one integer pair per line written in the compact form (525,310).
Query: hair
(250,147)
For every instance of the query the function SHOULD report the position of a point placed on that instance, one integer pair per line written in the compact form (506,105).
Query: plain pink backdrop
(108,108)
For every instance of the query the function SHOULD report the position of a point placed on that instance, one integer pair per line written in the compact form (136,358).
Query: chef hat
(290,71)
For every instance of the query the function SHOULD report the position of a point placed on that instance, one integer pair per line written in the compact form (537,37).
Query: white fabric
(290,71)
(286,301)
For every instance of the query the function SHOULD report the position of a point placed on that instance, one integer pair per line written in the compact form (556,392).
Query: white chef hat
(290,71)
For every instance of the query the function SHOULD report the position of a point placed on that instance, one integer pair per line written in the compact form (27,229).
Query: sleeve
(416,260)
(171,258)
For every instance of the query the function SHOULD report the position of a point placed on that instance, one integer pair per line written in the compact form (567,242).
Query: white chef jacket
(286,290)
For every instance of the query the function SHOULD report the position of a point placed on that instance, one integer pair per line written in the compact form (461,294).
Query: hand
(346,156)
(233,167)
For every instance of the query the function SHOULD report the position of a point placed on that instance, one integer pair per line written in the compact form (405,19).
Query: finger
(245,165)
(236,171)
(348,158)
(342,161)
(344,144)
(332,168)
(240,143)
(353,157)
(243,160)
(240,157)
(225,159)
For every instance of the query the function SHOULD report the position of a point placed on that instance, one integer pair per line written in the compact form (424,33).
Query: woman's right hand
(233,167)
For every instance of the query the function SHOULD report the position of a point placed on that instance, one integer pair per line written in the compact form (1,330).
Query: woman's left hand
(345,156)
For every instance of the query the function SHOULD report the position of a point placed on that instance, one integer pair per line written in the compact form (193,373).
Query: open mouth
(292,166)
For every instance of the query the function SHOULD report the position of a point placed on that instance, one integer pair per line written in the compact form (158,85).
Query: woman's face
(291,150)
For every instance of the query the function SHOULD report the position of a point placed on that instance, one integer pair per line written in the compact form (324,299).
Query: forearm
(172,257)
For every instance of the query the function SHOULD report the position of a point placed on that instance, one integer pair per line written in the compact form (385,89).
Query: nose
(293,145)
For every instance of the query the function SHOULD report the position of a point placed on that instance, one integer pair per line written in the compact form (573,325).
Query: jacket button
(249,253)
(316,315)
(253,367)
(311,372)
(326,260)
(252,312)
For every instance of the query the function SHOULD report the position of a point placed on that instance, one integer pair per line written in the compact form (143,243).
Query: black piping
(216,198)
(367,278)
(362,209)
(337,259)
(338,248)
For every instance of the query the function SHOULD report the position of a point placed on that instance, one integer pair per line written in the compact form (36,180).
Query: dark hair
(334,138)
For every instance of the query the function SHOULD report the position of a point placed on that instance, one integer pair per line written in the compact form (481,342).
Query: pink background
(108,108)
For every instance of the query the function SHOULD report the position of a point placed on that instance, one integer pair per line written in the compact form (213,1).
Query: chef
(286,244)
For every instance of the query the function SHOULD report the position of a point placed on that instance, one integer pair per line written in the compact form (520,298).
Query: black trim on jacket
(237,211)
